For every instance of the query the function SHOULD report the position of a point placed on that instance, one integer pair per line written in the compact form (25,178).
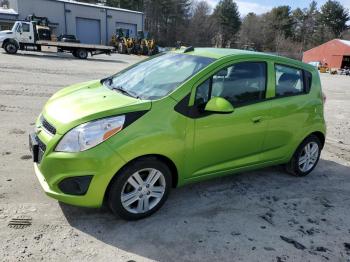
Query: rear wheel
(82,53)
(305,157)
(10,48)
(140,189)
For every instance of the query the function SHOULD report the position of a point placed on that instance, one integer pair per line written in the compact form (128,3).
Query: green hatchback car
(173,119)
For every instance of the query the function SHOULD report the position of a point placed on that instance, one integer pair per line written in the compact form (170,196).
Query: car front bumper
(100,163)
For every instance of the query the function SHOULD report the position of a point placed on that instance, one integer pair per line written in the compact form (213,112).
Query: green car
(177,118)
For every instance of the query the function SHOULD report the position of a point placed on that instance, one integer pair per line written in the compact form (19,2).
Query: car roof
(218,53)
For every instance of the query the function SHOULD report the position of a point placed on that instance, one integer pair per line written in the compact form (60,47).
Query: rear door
(226,141)
(290,110)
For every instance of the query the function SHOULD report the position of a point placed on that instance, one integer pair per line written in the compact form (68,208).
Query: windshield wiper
(109,81)
(124,91)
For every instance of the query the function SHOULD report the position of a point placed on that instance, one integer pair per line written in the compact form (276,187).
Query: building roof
(98,6)
(7,11)
(347,42)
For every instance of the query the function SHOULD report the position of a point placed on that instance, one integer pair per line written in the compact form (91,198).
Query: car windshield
(157,77)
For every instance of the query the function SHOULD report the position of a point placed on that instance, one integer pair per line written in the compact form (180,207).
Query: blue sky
(261,6)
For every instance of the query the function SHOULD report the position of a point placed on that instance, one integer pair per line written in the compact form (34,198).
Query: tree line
(281,30)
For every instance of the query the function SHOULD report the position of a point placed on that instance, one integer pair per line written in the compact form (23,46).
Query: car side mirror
(219,105)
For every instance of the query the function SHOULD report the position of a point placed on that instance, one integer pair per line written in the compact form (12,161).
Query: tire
(74,53)
(302,163)
(82,53)
(10,48)
(137,194)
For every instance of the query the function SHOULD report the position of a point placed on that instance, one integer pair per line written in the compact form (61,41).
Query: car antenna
(189,49)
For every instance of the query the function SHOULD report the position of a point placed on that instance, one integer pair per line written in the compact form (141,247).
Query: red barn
(336,53)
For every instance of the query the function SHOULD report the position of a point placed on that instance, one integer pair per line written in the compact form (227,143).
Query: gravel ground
(264,215)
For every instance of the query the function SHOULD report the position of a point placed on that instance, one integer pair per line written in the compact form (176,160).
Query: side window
(18,28)
(289,81)
(202,94)
(25,27)
(241,83)
(307,81)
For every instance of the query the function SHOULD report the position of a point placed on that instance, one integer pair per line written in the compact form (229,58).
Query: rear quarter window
(289,81)
(307,81)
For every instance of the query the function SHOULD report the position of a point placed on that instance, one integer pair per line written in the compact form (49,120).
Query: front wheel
(10,48)
(140,189)
(305,157)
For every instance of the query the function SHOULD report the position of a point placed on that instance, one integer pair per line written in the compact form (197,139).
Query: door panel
(288,118)
(128,29)
(290,111)
(26,33)
(227,141)
(88,31)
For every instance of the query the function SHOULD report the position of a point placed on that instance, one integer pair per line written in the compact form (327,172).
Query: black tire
(74,53)
(293,167)
(10,48)
(82,53)
(120,184)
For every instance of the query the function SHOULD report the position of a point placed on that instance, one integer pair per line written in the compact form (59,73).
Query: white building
(92,24)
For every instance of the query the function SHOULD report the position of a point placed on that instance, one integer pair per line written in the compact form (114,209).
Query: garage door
(88,31)
(128,29)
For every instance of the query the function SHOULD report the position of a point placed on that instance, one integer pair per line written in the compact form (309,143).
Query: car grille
(48,127)
(42,149)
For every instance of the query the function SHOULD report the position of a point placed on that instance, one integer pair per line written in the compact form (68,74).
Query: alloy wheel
(308,156)
(143,190)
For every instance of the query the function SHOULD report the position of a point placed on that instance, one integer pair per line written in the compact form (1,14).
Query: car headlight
(90,134)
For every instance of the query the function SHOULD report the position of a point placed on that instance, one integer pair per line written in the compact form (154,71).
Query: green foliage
(334,16)
(127,4)
(228,20)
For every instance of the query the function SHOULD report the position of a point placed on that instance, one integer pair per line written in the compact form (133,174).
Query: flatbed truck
(31,36)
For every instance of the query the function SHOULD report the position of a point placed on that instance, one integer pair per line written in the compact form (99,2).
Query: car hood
(84,102)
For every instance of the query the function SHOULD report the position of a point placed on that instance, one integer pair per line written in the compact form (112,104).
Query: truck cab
(23,35)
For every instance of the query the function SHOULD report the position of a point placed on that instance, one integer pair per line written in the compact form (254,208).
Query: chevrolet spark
(177,118)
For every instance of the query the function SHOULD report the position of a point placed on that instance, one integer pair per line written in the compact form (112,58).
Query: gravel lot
(264,215)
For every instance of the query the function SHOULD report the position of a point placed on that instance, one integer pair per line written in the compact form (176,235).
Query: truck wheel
(10,48)
(74,53)
(82,53)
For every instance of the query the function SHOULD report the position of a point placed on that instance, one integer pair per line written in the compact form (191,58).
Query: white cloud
(245,7)
(346,3)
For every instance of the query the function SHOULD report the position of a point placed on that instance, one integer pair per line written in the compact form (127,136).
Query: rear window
(289,81)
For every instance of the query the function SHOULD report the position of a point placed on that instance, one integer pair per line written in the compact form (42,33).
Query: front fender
(9,40)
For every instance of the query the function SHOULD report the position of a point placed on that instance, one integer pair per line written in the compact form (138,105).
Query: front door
(227,141)
(25,31)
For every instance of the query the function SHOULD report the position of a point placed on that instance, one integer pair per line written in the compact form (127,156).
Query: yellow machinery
(139,46)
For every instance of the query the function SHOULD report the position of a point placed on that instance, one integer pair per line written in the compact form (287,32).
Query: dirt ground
(264,215)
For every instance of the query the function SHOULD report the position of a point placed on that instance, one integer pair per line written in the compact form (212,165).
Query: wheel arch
(10,40)
(320,136)
(162,158)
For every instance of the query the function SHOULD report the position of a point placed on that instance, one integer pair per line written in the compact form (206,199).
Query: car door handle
(257,119)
